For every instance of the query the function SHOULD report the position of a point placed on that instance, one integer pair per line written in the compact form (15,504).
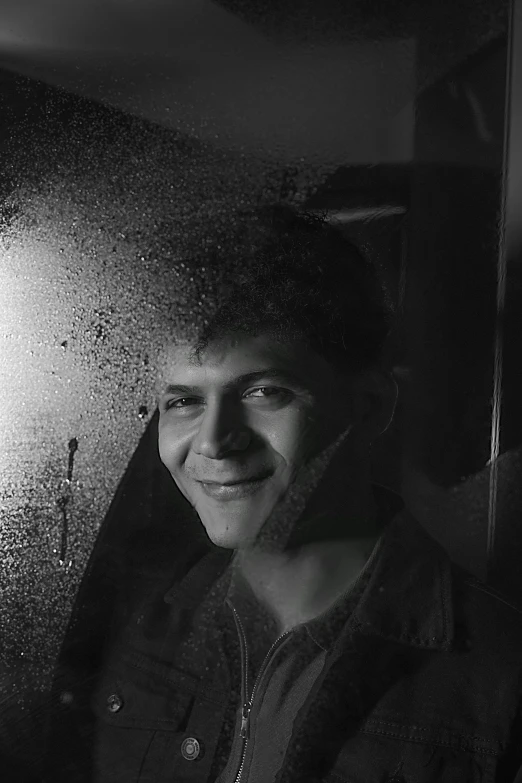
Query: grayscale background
(130,133)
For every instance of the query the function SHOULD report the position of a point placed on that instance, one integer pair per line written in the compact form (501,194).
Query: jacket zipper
(244,731)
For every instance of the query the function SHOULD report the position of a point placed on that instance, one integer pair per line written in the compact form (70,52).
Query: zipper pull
(244,733)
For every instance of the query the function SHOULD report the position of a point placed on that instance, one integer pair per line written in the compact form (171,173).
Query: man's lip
(235,481)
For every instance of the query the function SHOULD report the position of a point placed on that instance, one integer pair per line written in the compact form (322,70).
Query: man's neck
(302,581)
(298,589)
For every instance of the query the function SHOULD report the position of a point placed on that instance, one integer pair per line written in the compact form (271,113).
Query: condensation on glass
(131,134)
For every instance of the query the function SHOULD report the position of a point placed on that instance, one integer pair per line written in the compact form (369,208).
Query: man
(325,636)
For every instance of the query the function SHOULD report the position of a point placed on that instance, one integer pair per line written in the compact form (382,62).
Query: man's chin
(227,541)
(228,535)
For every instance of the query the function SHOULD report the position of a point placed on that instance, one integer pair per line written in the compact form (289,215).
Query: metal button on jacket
(114,703)
(190,748)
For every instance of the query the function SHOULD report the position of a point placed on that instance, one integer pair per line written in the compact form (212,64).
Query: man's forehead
(237,355)
(176,352)
(183,353)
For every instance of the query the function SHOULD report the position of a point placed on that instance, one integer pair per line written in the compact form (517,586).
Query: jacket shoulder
(492,620)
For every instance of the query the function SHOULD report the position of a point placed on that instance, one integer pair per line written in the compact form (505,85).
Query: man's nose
(221,431)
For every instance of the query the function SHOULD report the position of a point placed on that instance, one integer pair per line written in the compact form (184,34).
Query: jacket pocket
(141,710)
(136,693)
(375,759)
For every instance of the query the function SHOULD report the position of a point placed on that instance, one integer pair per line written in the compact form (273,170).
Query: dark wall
(450,303)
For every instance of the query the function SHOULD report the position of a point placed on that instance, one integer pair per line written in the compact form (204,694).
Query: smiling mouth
(235,483)
(233,490)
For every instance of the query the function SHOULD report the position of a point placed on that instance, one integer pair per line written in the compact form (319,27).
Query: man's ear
(375,398)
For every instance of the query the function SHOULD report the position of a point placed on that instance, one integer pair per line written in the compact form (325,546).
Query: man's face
(236,426)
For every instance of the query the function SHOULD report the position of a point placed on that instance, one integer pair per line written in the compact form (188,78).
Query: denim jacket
(420,682)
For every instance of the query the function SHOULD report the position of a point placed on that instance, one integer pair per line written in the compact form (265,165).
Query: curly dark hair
(295,275)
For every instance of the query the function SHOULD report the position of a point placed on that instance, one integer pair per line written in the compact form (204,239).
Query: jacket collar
(404,595)
(201,577)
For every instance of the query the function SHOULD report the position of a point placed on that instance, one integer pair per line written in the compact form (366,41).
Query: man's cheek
(184,486)
(163,453)
(170,458)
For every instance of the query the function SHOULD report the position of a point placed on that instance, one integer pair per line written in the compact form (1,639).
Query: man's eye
(181,402)
(267,391)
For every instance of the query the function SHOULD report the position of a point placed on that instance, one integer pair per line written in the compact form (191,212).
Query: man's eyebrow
(270,374)
(179,389)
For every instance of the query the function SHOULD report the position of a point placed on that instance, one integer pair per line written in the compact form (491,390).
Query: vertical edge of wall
(450,304)
(506,475)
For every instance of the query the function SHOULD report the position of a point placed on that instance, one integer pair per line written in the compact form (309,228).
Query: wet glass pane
(134,135)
